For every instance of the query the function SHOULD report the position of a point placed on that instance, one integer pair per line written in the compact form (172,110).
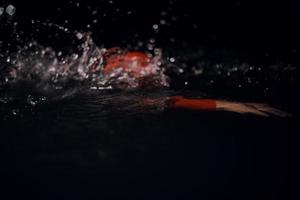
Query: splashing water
(42,73)
(37,75)
(49,70)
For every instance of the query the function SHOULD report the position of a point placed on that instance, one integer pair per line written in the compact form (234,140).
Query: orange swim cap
(133,62)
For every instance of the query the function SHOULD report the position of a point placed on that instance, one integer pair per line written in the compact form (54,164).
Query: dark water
(105,145)
(76,134)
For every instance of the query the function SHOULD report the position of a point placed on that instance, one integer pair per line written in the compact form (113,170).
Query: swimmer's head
(137,64)
(139,67)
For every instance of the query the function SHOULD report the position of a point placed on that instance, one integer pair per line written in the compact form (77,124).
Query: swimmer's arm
(250,108)
(265,110)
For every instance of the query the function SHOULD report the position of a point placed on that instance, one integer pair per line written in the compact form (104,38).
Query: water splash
(49,70)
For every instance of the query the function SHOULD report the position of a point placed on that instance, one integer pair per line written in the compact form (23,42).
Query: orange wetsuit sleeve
(192,104)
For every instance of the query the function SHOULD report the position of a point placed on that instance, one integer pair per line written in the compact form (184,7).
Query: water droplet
(15,111)
(140,44)
(1,11)
(157,51)
(163,22)
(93,88)
(31,100)
(10,10)
(180,70)
(172,59)
(152,40)
(79,36)
(150,47)
(172,40)
(249,80)
(163,13)
(234,69)
(155,27)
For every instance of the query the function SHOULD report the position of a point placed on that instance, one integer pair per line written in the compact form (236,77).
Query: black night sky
(263,30)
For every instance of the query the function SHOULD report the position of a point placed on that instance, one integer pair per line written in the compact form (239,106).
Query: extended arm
(180,102)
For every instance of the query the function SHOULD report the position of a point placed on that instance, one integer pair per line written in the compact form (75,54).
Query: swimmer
(138,65)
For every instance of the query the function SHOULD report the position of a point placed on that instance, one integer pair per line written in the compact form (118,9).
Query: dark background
(263,33)
(53,154)
(264,30)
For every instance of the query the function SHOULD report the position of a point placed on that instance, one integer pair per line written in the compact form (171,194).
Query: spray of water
(50,70)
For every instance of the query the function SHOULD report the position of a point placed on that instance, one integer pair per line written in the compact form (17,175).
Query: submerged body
(138,65)
(112,68)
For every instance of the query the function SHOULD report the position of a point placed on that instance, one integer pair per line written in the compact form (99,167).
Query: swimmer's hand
(250,108)
(180,102)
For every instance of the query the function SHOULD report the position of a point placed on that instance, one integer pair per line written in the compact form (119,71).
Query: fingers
(259,109)
(246,109)
(270,110)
